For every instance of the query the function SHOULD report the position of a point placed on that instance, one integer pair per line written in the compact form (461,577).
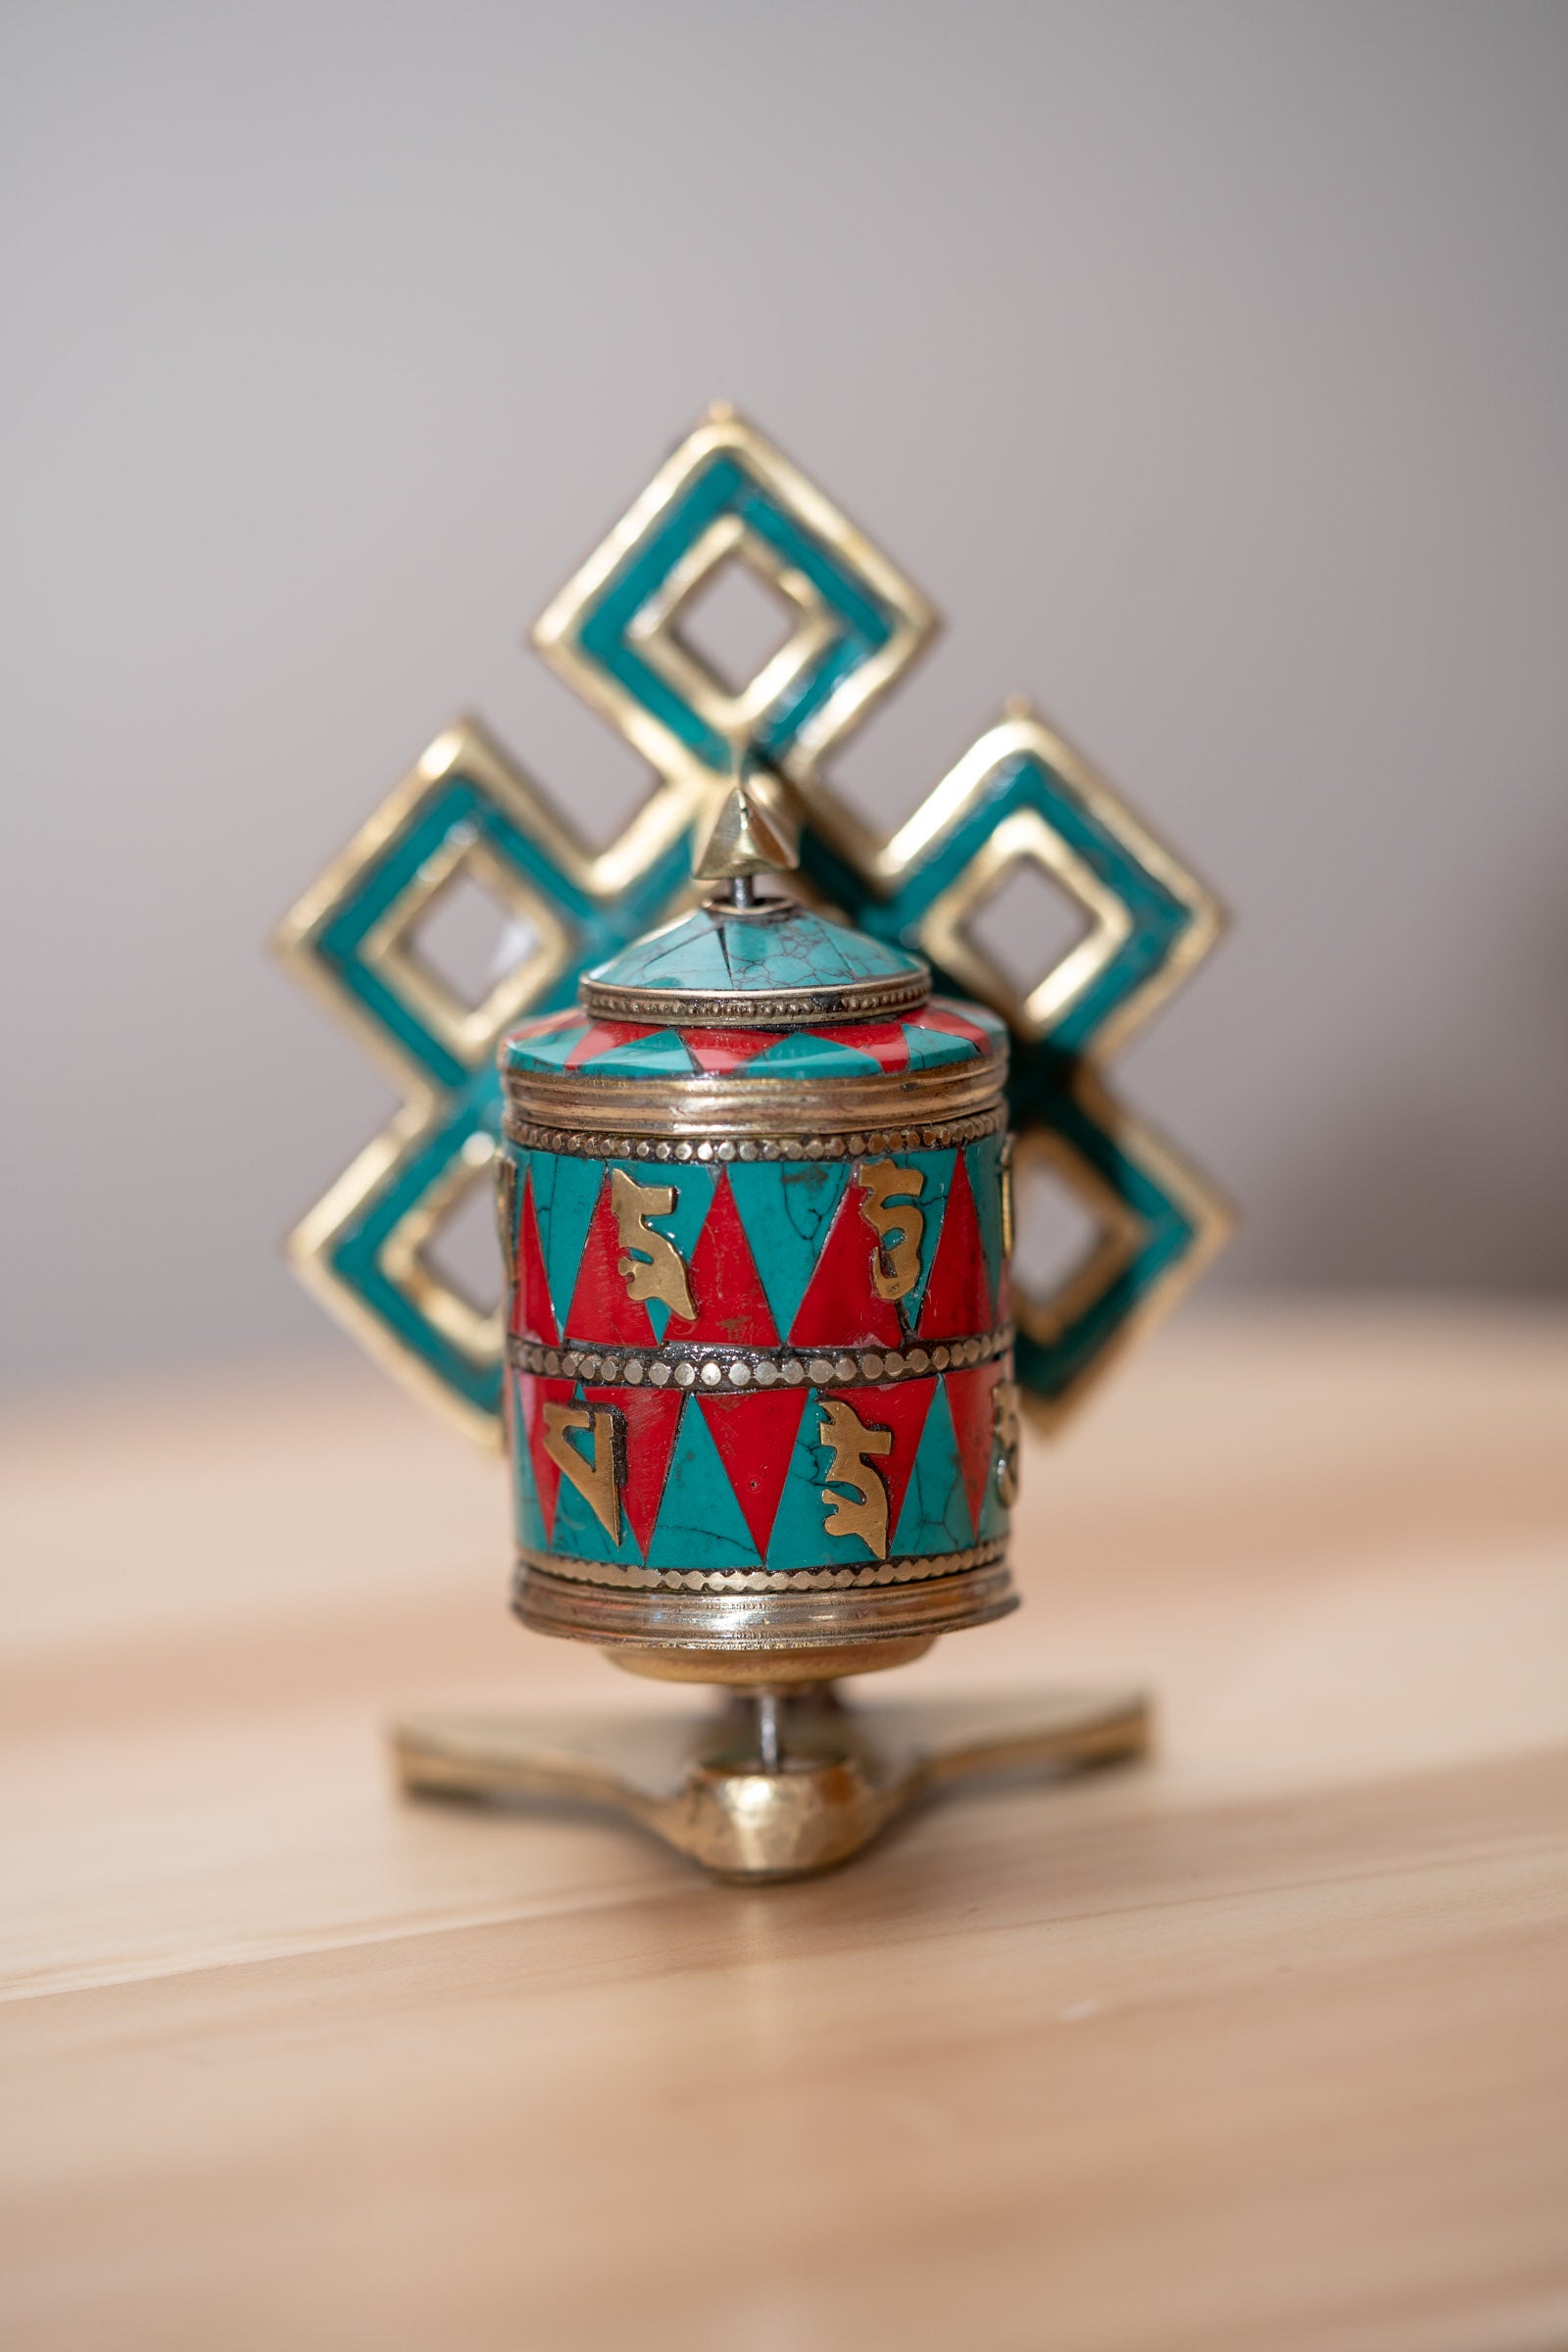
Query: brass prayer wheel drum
(760,1390)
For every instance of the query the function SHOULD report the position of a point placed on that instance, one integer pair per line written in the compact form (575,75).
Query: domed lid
(937,1040)
(772,965)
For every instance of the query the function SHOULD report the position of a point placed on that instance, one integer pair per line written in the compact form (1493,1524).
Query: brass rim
(604,1144)
(617,1576)
(703,1108)
(770,1620)
(732,1371)
(794,1008)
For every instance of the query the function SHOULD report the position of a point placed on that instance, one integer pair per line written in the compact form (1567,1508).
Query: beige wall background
(1206,364)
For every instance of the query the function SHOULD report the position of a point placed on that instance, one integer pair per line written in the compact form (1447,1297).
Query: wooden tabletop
(1261,2045)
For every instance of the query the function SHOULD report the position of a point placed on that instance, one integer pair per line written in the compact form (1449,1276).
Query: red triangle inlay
(958,1294)
(732,1309)
(969,1396)
(884,1041)
(903,1409)
(532,1314)
(601,1308)
(718,1050)
(841,1307)
(651,1416)
(533,1395)
(755,1436)
(602,1037)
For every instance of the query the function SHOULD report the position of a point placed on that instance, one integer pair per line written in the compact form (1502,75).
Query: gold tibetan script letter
(596,1476)
(659,1271)
(854,1446)
(895,1262)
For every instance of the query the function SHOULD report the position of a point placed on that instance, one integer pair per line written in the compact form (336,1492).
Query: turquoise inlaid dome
(776,949)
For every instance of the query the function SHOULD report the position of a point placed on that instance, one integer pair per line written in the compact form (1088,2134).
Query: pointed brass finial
(757,830)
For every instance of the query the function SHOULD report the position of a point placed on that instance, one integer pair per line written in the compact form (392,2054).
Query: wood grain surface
(1259,2047)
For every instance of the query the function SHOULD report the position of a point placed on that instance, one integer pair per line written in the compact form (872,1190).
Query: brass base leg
(776,1785)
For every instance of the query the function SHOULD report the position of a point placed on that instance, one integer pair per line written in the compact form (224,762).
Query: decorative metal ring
(730,1370)
(794,1008)
(875,1575)
(793,1610)
(663,1144)
(753,1106)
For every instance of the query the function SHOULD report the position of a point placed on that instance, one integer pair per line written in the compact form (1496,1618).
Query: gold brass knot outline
(1020,796)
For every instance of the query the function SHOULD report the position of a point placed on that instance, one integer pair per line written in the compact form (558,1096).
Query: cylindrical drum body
(758,1387)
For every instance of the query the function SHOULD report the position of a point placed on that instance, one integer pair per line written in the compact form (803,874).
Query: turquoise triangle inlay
(935,1517)
(786,1207)
(700,1523)
(824,1056)
(660,1055)
(552,1051)
(985,1183)
(564,1190)
(530,1517)
(933,1049)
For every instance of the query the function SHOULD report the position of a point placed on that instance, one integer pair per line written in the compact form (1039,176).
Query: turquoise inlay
(984,1164)
(662,1055)
(552,1051)
(977,1016)
(529,1513)
(1043,1072)
(1041,1087)
(936,1049)
(564,1192)
(1047,1369)
(726,485)
(786,1207)
(992,1512)
(474,1109)
(578,1533)
(787,947)
(700,1523)
(799,1054)
(1023,781)
(936,1512)
(461,808)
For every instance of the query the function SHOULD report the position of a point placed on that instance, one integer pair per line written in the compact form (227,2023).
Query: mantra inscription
(653,1268)
(793,1367)
(650,1264)
(597,1474)
(853,1447)
(888,1194)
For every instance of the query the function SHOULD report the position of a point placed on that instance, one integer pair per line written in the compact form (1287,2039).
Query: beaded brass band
(798,1608)
(605,1142)
(800,1008)
(726,1370)
(761,1579)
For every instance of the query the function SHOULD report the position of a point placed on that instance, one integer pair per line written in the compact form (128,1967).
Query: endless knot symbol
(1020,797)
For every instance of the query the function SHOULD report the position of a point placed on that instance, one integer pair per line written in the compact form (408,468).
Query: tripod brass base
(772,1786)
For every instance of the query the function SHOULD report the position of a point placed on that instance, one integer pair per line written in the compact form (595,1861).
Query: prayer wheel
(755,1218)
